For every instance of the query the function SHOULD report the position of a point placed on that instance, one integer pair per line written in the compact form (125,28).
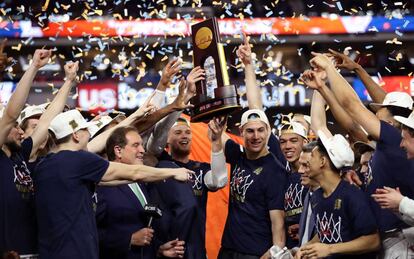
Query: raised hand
(172,249)
(244,52)
(195,75)
(342,60)
(170,70)
(314,79)
(71,69)
(216,126)
(41,58)
(181,101)
(142,237)
(320,61)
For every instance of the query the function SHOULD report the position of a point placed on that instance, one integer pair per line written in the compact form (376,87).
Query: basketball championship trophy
(215,96)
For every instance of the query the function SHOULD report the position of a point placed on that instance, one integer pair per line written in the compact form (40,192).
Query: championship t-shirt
(294,198)
(343,216)
(256,187)
(65,183)
(390,167)
(17,211)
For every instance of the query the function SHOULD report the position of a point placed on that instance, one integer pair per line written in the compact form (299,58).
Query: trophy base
(226,102)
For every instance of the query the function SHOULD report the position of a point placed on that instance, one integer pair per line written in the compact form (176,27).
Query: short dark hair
(399,111)
(308,148)
(410,130)
(117,138)
(59,141)
(25,122)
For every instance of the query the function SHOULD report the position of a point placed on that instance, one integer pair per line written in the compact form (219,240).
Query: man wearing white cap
(346,228)
(65,182)
(390,198)
(389,165)
(257,185)
(29,118)
(17,221)
(292,137)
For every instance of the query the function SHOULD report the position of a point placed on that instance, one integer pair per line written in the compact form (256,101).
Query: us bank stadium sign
(102,97)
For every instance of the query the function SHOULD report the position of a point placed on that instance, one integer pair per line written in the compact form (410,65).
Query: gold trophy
(215,96)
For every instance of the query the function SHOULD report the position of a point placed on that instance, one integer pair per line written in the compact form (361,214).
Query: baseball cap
(397,99)
(293,127)
(181,121)
(69,122)
(100,124)
(409,122)
(254,115)
(30,111)
(362,146)
(338,149)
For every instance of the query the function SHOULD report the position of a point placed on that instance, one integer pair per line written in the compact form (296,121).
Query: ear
(75,136)
(118,151)
(324,161)
(241,131)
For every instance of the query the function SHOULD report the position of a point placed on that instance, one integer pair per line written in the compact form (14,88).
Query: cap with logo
(254,115)
(338,148)
(396,99)
(31,111)
(293,127)
(100,124)
(69,122)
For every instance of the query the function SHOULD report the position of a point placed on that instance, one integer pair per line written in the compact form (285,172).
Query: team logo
(338,204)
(329,229)
(293,196)
(258,170)
(239,184)
(23,180)
(198,183)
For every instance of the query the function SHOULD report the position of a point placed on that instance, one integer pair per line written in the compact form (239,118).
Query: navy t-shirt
(343,216)
(64,183)
(17,217)
(390,167)
(256,187)
(274,147)
(294,199)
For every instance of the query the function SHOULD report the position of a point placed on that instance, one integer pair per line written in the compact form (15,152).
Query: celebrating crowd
(125,187)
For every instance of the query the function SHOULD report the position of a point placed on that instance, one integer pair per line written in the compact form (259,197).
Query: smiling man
(292,137)
(258,180)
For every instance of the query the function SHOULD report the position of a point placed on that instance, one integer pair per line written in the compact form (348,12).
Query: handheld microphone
(152,211)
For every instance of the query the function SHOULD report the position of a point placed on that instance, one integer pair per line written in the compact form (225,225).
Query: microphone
(152,211)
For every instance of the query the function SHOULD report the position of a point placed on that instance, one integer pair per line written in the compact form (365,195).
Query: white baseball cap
(30,111)
(397,99)
(181,121)
(100,124)
(293,127)
(338,149)
(254,115)
(69,122)
(409,122)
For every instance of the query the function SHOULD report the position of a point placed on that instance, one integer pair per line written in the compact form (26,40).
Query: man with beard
(188,206)
(17,216)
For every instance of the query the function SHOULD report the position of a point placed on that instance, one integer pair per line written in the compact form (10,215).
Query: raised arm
(217,177)
(180,103)
(315,80)
(277,217)
(376,92)
(318,115)
(347,97)
(254,97)
(19,97)
(158,139)
(56,106)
